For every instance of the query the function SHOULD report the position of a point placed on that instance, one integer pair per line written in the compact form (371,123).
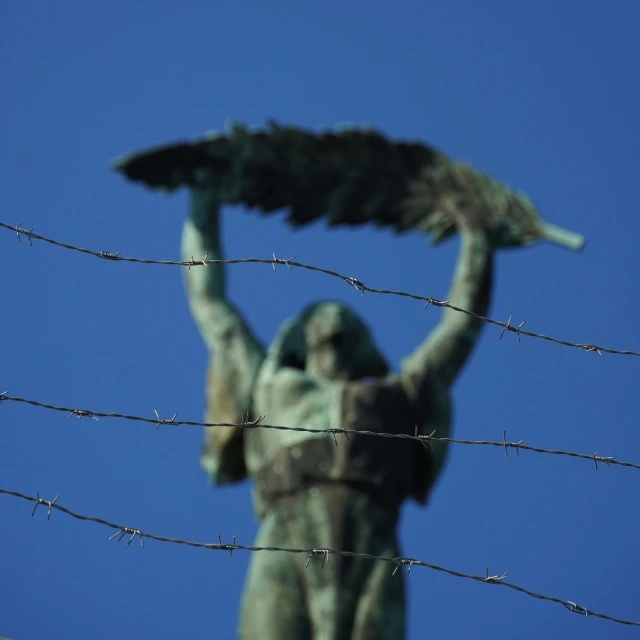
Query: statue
(323,369)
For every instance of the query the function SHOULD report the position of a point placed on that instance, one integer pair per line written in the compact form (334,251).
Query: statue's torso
(283,462)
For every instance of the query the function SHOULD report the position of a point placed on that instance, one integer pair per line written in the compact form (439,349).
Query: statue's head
(328,340)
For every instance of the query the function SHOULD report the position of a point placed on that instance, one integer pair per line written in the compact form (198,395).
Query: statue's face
(333,338)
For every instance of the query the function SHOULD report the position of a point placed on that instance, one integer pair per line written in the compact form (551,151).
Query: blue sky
(542,98)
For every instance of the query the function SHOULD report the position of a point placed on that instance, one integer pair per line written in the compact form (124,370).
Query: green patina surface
(323,370)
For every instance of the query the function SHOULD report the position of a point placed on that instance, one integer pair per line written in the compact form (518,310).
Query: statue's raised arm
(487,216)
(446,350)
(236,355)
(428,373)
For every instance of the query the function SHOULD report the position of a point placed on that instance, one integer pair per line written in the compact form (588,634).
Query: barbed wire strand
(426,440)
(123,531)
(354,282)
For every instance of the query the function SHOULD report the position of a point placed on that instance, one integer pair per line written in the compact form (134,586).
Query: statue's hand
(455,197)
(205,210)
(507,219)
(502,224)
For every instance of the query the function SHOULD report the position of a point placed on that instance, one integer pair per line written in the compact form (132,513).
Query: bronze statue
(323,370)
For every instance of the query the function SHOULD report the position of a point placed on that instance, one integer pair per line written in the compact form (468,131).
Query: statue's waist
(384,469)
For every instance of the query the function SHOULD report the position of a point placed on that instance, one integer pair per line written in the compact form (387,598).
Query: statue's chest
(375,406)
(286,461)
(296,401)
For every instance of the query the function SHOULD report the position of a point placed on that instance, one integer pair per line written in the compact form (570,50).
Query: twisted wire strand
(354,282)
(257,424)
(123,531)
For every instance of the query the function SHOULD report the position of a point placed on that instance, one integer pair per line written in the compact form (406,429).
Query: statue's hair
(289,348)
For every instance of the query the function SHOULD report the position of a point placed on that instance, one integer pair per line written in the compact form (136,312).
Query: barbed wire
(354,282)
(123,531)
(425,440)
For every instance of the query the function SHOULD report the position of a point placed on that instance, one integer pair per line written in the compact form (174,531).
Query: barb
(160,421)
(20,231)
(47,503)
(402,562)
(125,531)
(496,579)
(357,284)
(333,432)
(122,530)
(276,261)
(319,552)
(515,445)
(81,413)
(576,608)
(507,327)
(229,547)
(425,440)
